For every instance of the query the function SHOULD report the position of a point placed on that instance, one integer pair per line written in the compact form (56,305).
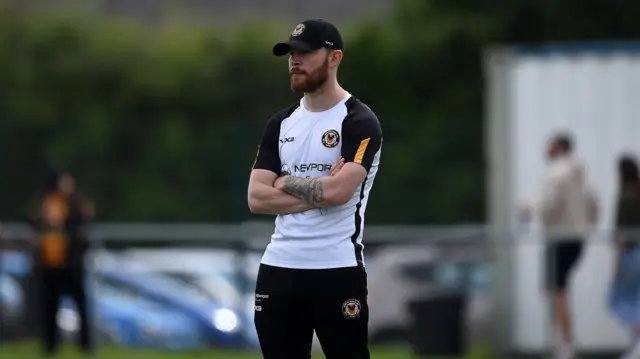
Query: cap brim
(284,48)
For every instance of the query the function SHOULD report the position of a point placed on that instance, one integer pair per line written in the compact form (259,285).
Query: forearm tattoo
(307,189)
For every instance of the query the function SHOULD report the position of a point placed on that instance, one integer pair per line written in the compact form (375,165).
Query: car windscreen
(462,275)
(176,287)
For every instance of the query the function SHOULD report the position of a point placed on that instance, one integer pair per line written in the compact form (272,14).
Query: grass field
(31,351)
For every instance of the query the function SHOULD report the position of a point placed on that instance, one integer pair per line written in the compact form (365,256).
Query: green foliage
(162,124)
(157,125)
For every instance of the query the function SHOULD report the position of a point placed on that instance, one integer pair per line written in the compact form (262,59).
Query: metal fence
(160,272)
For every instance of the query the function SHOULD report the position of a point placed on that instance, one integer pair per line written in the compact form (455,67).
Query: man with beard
(315,169)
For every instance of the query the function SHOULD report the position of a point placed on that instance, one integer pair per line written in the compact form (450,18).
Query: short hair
(565,142)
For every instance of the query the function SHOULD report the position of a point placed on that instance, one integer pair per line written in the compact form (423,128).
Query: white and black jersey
(307,144)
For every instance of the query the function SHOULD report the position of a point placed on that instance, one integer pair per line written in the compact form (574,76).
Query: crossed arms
(272,194)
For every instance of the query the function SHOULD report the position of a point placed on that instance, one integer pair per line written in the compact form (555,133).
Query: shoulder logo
(351,309)
(298,30)
(330,139)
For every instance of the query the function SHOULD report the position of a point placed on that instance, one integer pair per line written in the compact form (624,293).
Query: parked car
(221,274)
(11,306)
(222,325)
(14,267)
(124,318)
(402,274)
(139,308)
(213,273)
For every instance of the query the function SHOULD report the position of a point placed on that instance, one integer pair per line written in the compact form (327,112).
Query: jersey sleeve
(362,138)
(268,156)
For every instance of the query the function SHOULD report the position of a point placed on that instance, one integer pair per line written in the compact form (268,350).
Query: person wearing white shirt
(569,211)
(315,170)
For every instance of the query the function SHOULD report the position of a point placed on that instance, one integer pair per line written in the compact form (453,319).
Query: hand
(336,167)
(279,182)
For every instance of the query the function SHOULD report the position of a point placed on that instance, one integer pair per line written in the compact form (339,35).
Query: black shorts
(561,258)
(291,303)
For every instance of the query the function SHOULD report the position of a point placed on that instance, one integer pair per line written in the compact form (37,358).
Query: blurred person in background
(569,210)
(61,246)
(625,293)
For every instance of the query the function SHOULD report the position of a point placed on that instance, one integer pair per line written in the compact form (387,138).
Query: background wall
(590,91)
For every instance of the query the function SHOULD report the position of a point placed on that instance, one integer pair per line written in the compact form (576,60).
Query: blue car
(11,307)
(232,288)
(137,309)
(220,326)
(125,319)
(13,268)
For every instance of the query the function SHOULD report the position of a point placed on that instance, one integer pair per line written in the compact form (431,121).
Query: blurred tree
(442,49)
(163,124)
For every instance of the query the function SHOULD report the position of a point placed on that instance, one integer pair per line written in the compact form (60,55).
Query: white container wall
(592,91)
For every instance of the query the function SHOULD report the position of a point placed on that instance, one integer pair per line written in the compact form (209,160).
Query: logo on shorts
(298,30)
(330,139)
(351,309)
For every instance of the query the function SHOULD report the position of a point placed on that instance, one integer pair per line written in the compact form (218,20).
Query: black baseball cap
(311,35)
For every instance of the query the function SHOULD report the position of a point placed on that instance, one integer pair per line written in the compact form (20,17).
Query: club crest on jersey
(298,30)
(351,309)
(330,139)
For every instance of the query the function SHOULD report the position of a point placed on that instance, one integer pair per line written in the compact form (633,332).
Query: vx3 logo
(286,140)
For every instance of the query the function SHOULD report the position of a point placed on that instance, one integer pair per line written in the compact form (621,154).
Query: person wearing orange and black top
(62,213)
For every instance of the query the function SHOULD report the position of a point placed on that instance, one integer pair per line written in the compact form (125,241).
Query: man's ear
(335,57)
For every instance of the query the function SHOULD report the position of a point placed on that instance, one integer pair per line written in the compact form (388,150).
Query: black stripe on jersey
(268,156)
(360,124)
(354,238)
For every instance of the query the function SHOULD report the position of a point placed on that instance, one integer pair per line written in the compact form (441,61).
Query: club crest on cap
(298,30)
